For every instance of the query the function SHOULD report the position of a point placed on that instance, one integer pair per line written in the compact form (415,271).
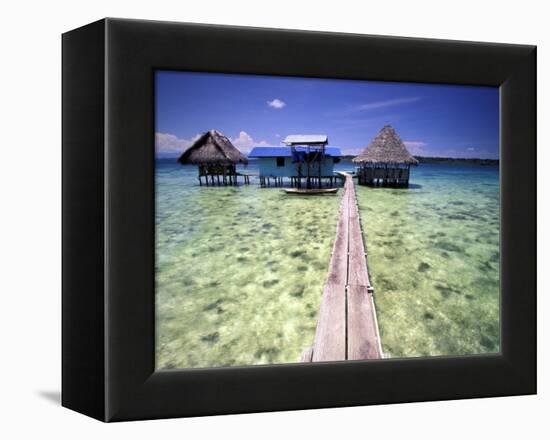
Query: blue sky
(432,120)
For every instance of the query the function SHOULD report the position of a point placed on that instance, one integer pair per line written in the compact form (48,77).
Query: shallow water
(433,258)
(240,270)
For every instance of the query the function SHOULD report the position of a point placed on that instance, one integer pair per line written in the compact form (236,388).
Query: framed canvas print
(261,220)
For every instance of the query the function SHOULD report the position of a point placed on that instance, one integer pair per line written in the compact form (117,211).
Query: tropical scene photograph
(304,220)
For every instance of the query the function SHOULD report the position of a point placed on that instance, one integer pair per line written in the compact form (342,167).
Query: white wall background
(30,240)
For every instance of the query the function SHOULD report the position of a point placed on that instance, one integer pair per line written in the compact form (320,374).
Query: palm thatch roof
(212,147)
(386,148)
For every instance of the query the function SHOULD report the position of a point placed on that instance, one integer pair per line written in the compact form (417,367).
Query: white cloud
(167,143)
(352,151)
(416,147)
(376,122)
(245,142)
(170,143)
(276,103)
(387,103)
(470,152)
(374,105)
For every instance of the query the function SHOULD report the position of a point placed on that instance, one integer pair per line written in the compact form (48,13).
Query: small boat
(312,191)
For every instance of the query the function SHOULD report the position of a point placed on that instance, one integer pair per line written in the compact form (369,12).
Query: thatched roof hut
(217,159)
(386,161)
(386,148)
(212,148)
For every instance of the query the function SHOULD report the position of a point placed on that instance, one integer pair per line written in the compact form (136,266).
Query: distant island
(423,159)
(448,160)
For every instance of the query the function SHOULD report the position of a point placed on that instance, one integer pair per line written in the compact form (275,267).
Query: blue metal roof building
(279,162)
(287,151)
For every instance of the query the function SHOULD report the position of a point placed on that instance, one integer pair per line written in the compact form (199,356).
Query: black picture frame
(108,219)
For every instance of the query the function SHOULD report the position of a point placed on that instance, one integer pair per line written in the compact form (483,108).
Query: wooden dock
(347,328)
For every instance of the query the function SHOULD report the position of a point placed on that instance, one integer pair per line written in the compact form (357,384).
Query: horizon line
(175,155)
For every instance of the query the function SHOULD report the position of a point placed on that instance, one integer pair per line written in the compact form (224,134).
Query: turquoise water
(240,270)
(433,258)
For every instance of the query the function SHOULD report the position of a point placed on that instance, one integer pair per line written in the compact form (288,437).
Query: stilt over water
(347,328)
(386,161)
(217,160)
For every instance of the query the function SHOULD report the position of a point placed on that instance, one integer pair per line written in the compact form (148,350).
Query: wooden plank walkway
(347,328)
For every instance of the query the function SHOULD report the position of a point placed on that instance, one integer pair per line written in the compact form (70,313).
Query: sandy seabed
(240,270)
